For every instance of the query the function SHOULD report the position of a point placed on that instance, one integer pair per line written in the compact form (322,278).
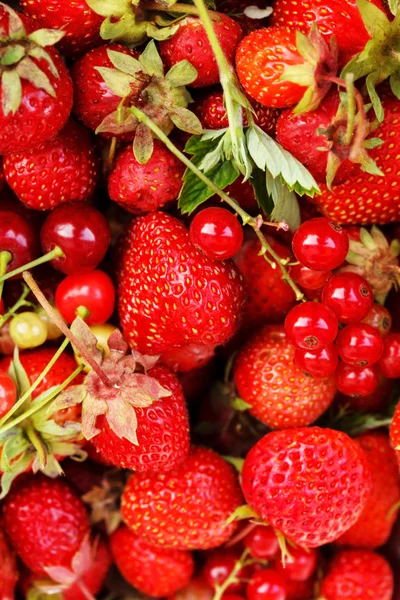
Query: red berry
(356,381)
(262,542)
(266,584)
(19,238)
(8,393)
(218,568)
(217,233)
(389,363)
(321,362)
(349,296)
(309,278)
(301,566)
(82,233)
(94,291)
(320,244)
(380,318)
(311,325)
(359,344)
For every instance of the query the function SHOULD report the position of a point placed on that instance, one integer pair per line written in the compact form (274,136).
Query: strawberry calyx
(19,56)
(104,500)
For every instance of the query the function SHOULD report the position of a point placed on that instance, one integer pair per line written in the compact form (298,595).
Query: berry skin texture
(359,575)
(170,295)
(266,584)
(280,394)
(309,483)
(94,291)
(217,233)
(45,521)
(380,318)
(262,542)
(8,393)
(63,169)
(311,326)
(356,381)
(19,238)
(198,497)
(320,245)
(190,43)
(389,364)
(145,188)
(320,363)
(359,344)
(395,432)
(349,296)
(308,278)
(301,566)
(9,574)
(219,566)
(163,432)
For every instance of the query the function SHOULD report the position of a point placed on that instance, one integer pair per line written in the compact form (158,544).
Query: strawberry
(358,574)
(186,508)
(161,275)
(45,521)
(151,570)
(279,393)
(143,188)
(64,169)
(395,432)
(309,483)
(373,527)
(8,568)
(191,43)
(79,22)
(36,92)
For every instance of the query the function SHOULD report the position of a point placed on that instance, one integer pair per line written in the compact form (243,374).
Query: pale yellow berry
(53,332)
(27,330)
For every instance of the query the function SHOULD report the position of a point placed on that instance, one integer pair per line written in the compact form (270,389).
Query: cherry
(8,393)
(219,566)
(389,363)
(349,296)
(320,244)
(217,233)
(356,381)
(309,279)
(380,318)
(27,330)
(81,232)
(267,584)
(18,241)
(262,542)
(359,344)
(301,566)
(321,362)
(92,293)
(311,325)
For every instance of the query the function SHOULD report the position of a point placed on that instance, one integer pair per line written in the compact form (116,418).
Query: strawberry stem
(179,8)
(55,253)
(5,258)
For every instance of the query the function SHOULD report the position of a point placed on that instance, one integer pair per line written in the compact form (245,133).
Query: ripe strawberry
(280,394)
(395,432)
(80,23)
(186,508)
(151,570)
(45,521)
(64,169)
(191,43)
(161,275)
(8,568)
(358,574)
(309,483)
(37,98)
(145,188)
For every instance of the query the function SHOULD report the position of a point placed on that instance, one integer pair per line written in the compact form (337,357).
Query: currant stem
(5,258)
(63,327)
(246,218)
(232,577)
(179,9)
(19,303)
(37,443)
(55,253)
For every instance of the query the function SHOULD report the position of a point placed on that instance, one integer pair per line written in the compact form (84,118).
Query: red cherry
(262,542)
(266,584)
(320,244)
(94,291)
(389,363)
(217,233)
(321,362)
(359,344)
(219,566)
(1,306)
(18,237)
(8,393)
(301,566)
(82,233)
(380,318)
(349,296)
(311,325)
(309,278)
(356,381)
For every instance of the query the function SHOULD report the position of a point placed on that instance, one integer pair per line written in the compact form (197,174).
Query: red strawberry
(45,102)
(373,527)
(310,483)
(281,395)
(358,574)
(190,43)
(151,570)
(145,188)
(8,569)
(45,521)
(186,508)
(171,295)
(64,169)
(395,432)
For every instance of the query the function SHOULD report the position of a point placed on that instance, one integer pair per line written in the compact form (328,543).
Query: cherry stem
(246,218)
(63,327)
(232,577)
(179,9)
(37,443)
(5,258)
(55,253)
(19,303)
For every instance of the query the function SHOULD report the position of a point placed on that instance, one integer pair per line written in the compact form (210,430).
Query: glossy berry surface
(380,318)
(82,233)
(311,325)
(320,244)
(359,344)
(309,279)
(349,295)
(389,364)
(301,564)
(8,393)
(321,362)
(217,233)
(262,542)
(27,330)
(19,238)
(94,291)
(218,568)
(267,584)
(356,381)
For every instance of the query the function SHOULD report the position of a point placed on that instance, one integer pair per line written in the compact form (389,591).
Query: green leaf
(116,81)
(185,120)
(286,207)
(394,6)
(194,192)
(370,82)
(239,404)
(162,33)
(125,63)
(374,19)
(235,462)
(28,70)
(46,37)
(212,158)
(126,30)
(183,73)
(143,144)
(12,55)
(110,8)
(263,198)
(11,91)
(151,60)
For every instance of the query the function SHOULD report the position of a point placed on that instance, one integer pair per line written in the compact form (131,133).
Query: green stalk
(5,258)
(19,303)
(37,443)
(55,253)
(232,577)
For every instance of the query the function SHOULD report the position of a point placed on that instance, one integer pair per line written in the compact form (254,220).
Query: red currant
(18,237)
(267,584)
(390,360)
(321,362)
(356,381)
(360,344)
(320,244)
(262,542)
(217,233)
(311,325)
(219,566)
(309,279)
(380,318)
(92,291)
(82,233)
(8,393)
(349,296)
(301,566)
